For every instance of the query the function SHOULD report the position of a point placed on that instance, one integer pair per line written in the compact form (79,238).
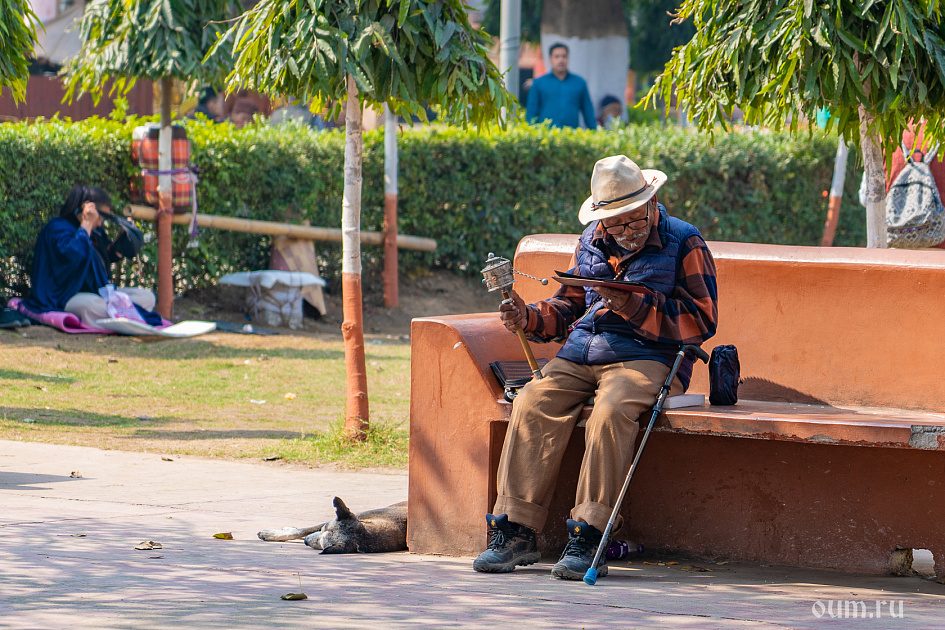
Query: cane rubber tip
(591,576)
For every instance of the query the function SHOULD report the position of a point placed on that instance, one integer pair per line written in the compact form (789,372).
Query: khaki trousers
(544,415)
(90,307)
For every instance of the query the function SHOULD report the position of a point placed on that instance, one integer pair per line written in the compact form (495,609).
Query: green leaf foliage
(407,53)
(18,26)
(150,39)
(781,60)
(473,192)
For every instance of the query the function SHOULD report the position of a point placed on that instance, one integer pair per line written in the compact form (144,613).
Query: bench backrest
(838,326)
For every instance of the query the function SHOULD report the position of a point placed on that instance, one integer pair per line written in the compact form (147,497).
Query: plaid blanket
(144,151)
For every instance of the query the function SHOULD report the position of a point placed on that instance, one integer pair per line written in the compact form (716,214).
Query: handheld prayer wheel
(498,276)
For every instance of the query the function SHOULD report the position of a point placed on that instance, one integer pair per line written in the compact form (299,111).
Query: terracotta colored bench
(833,456)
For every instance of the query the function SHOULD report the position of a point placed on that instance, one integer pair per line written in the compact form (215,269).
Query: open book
(573,280)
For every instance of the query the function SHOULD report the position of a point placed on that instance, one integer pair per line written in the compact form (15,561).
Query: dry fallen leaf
(695,569)
(224,536)
(652,564)
(295,596)
(671,563)
(166,459)
(149,544)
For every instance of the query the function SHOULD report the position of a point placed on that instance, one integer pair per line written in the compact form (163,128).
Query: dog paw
(279,535)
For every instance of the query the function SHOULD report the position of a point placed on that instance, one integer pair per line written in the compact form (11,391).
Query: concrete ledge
(795,422)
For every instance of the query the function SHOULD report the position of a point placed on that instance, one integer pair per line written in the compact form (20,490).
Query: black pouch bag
(724,373)
(514,375)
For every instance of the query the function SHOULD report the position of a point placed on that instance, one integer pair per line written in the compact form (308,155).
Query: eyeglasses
(633,226)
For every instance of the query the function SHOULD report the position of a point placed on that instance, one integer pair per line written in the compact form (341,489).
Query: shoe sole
(563,573)
(522,561)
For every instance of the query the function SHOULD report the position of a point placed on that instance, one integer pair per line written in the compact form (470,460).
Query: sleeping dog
(374,531)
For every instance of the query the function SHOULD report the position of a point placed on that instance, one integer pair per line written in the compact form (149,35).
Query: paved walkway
(67,560)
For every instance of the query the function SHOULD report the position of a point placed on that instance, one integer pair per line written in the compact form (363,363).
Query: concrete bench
(833,456)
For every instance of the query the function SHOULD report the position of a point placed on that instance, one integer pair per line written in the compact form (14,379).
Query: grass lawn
(219,395)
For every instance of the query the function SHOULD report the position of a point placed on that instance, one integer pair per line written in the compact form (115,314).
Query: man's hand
(614,299)
(514,315)
(90,218)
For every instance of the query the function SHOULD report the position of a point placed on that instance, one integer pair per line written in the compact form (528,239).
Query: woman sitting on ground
(73,255)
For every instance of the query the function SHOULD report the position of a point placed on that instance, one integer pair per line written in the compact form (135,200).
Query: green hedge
(473,192)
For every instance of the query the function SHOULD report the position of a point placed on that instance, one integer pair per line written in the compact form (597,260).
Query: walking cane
(591,576)
(497,276)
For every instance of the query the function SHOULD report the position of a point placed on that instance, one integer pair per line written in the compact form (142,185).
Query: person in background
(73,255)
(610,111)
(243,112)
(296,112)
(210,105)
(559,96)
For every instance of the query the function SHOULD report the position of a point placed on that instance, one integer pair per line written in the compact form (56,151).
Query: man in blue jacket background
(560,96)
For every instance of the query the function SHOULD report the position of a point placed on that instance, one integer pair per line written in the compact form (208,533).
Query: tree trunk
(165,296)
(592,31)
(875,183)
(510,38)
(352,328)
(836,193)
(391,293)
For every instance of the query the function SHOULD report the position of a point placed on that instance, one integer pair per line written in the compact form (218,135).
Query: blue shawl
(64,261)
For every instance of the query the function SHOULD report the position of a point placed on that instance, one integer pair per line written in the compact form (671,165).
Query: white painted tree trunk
(510,37)
(391,291)
(352,328)
(351,200)
(875,183)
(165,296)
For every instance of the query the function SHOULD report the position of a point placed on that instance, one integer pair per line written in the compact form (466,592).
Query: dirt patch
(436,292)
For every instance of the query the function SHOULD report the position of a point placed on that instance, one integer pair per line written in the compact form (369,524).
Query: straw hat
(618,185)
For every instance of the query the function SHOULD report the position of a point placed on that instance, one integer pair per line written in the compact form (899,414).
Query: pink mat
(66,322)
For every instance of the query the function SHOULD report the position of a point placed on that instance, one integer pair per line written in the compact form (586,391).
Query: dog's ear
(342,510)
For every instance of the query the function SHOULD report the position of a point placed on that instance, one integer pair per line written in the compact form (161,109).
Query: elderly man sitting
(619,347)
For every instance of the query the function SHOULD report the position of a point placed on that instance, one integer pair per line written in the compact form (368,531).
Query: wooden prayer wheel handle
(532,363)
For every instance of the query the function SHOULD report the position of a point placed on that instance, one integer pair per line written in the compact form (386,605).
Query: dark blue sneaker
(510,545)
(579,553)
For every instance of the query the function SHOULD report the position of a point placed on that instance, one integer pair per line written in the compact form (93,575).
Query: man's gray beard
(632,244)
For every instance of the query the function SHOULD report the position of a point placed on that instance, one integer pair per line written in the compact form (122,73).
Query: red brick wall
(44,98)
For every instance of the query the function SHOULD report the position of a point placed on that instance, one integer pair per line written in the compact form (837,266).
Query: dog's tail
(288,533)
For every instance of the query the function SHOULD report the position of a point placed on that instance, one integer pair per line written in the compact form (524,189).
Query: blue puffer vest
(609,338)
